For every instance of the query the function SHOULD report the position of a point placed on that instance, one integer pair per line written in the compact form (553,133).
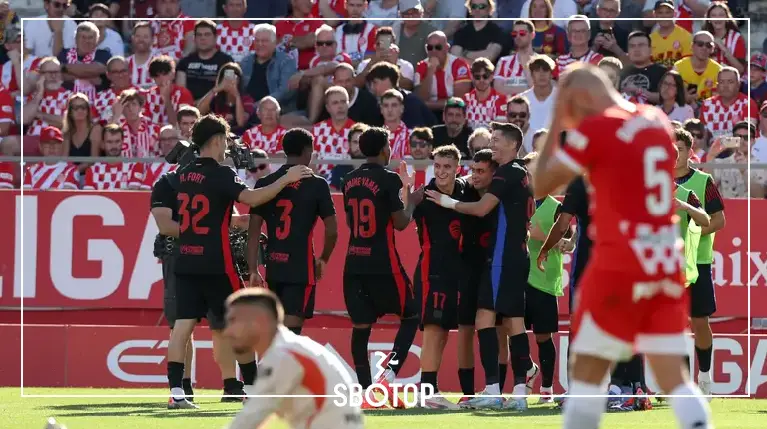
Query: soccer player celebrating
(634,275)
(375,282)
(502,291)
(292,272)
(439,272)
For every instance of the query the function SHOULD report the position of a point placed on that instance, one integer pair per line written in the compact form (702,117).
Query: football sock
(618,377)
(691,412)
(249,371)
(296,330)
(466,378)
(360,338)
(402,342)
(488,353)
(503,367)
(231,386)
(547,355)
(429,377)
(520,357)
(583,412)
(186,384)
(704,358)
(175,377)
(634,371)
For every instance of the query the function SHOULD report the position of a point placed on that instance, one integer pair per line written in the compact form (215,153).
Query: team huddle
(490,262)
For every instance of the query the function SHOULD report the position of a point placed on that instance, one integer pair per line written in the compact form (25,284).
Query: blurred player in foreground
(635,273)
(290,365)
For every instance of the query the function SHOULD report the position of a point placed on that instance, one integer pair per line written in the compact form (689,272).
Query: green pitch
(130,413)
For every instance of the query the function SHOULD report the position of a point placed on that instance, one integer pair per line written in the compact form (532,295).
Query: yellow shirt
(668,50)
(706,81)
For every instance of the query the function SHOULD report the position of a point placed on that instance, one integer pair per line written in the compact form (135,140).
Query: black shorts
(467,299)
(702,293)
(203,295)
(439,299)
(541,312)
(297,298)
(503,288)
(370,296)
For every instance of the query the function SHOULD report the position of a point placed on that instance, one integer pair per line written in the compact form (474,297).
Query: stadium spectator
(363,105)
(163,100)
(119,78)
(607,38)
(453,10)
(730,47)
(512,75)
(267,71)
(455,130)
(139,132)
(83,67)
(110,175)
(198,71)
(331,137)
(54,174)
(173,38)
(316,79)
(82,136)
(518,113)
(339,171)
(670,42)
(681,9)
(384,77)
(46,38)
(109,39)
(8,18)
(672,97)
(382,12)
(484,104)
(46,105)
(328,9)
(550,39)
(356,37)
(141,46)
(234,36)
(700,71)
(21,66)
(559,9)
(297,36)
(578,30)
(420,147)
(386,51)
(252,175)
(186,117)
(225,99)
(479,140)
(392,106)
(136,9)
(411,34)
(612,68)
(700,136)
(9,144)
(756,75)
(480,38)
(540,98)
(441,75)
(143,176)
(641,77)
(733,182)
(722,111)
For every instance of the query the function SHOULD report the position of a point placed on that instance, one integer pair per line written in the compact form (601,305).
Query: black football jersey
(511,185)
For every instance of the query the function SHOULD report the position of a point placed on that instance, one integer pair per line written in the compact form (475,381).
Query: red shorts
(617,315)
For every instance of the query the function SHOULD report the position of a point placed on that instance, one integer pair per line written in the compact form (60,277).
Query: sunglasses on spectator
(702,44)
(433,47)
(479,6)
(520,115)
(697,135)
(418,143)
(259,168)
(326,42)
(520,33)
(78,107)
(482,76)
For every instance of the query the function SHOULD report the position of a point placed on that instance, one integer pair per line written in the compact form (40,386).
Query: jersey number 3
(657,202)
(363,218)
(198,204)
(283,230)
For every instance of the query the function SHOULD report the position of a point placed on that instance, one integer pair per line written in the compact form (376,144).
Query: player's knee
(361,326)
(485,319)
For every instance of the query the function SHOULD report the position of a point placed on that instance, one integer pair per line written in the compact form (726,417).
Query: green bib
(697,183)
(549,280)
(690,232)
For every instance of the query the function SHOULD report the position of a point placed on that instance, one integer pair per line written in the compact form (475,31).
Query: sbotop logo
(409,394)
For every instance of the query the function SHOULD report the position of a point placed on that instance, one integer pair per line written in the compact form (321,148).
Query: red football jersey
(287,30)
(629,157)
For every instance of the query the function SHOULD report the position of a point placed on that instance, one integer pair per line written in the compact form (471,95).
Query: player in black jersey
(440,271)
(292,272)
(205,271)
(375,282)
(502,291)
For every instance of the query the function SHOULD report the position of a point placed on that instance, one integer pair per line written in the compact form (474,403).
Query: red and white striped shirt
(356,45)
(256,138)
(104,102)
(141,142)
(60,175)
(102,176)
(169,36)
(155,109)
(481,113)
(7,107)
(567,59)
(735,43)
(331,143)
(7,175)
(238,43)
(8,74)
(511,69)
(140,72)
(144,176)
(422,175)
(682,11)
(399,141)
(341,57)
(456,71)
(53,103)
(720,119)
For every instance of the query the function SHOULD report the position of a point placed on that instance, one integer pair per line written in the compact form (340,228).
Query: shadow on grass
(537,411)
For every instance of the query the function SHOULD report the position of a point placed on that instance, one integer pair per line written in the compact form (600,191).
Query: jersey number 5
(658,203)
(363,218)
(283,230)
(200,206)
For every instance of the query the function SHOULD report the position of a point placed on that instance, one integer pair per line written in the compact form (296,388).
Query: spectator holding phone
(735,149)
(699,71)
(607,38)
(225,99)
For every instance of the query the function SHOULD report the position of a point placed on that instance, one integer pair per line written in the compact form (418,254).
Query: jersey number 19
(363,222)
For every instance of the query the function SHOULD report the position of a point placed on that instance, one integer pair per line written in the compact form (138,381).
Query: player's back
(371,195)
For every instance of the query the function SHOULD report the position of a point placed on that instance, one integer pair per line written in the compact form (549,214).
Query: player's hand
(441,199)
(256,280)
(319,268)
(541,259)
(407,178)
(417,196)
(298,172)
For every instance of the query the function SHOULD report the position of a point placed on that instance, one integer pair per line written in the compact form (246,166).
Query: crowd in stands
(94,86)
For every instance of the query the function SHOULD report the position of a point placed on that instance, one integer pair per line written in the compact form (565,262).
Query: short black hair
(485,155)
(373,141)
(640,34)
(162,64)
(296,141)
(205,23)
(207,127)
(384,71)
(510,131)
(258,296)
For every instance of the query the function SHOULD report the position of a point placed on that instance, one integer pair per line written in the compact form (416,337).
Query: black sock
(520,357)
(175,374)
(186,384)
(249,371)
(634,371)
(232,385)
(488,353)
(688,366)
(429,378)
(618,376)
(704,358)
(360,338)
(503,367)
(466,378)
(403,341)
(296,330)
(547,356)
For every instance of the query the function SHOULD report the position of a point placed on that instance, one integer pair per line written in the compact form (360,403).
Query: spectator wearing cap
(383,13)
(46,105)
(733,182)
(441,75)
(234,36)
(455,129)
(20,67)
(607,38)
(480,38)
(109,40)
(559,9)
(51,174)
(756,75)
(641,77)
(700,72)
(578,30)
(484,104)
(83,66)
(198,71)
(540,98)
(518,113)
(411,34)
(385,76)
(386,51)
(722,111)
(550,39)
(730,45)
(670,42)
(44,38)
(356,37)
(512,75)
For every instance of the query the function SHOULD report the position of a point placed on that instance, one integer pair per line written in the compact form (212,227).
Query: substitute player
(634,276)
(290,365)
(502,290)
(439,272)
(205,271)
(292,271)
(375,282)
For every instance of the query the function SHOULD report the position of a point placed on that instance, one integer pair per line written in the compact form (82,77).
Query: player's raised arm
(163,202)
(410,199)
(255,197)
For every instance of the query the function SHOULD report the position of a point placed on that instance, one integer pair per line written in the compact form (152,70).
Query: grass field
(18,412)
